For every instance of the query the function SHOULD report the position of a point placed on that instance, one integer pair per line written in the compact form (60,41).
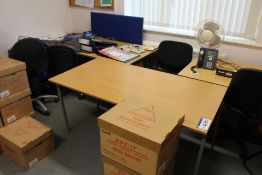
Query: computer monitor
(119,27)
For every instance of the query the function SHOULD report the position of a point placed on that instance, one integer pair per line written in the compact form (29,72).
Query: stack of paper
(118,54)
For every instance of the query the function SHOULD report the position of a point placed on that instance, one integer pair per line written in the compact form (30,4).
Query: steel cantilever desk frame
(113,81)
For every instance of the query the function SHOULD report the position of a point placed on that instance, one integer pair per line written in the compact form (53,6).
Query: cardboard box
(1,125)
(140,135)
(13,77)
(113,168)
(26,141)
(16,110)
(15,97)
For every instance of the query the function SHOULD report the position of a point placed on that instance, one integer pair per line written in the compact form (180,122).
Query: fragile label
(11,119)
(127,152)
(4,94)
(204,123)
(33,163)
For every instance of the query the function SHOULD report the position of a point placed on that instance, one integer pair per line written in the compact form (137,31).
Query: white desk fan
(209,35)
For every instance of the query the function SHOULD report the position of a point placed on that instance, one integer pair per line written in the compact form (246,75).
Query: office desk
(113,81)
(119,43)
(210,75)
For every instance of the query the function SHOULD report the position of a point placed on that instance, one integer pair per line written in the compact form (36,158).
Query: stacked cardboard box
(113,168)
(15,100)
(26,141)
(139,138)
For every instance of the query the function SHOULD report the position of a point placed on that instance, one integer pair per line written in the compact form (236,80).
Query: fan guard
(209,34)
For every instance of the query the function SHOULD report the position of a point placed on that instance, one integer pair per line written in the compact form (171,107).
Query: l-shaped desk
(114,81)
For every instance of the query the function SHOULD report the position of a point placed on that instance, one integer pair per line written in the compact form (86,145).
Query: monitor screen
(119,27)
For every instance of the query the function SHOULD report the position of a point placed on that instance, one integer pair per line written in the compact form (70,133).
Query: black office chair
(173,56)
(33,52)
(241,112)
(61,58)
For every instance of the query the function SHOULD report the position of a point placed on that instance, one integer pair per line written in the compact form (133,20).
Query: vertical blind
(184,15)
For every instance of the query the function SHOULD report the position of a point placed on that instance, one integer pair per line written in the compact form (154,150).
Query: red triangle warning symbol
(146,113)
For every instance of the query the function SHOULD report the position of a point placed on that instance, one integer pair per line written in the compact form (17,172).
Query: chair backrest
(33,52)
(61,58)
(245,91)
(173,56)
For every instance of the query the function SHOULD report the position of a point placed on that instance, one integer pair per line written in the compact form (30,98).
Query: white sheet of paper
(85,3)
(204,123)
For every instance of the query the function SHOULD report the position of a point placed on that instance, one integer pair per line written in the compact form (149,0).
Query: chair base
(40,106)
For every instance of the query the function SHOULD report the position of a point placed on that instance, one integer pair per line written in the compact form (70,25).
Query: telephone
(207,58)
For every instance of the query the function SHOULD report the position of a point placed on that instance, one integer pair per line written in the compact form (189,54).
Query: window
(239,18)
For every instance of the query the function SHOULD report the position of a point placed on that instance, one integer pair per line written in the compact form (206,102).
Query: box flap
(15,97)
(9,66)
(25,133)
(141,122)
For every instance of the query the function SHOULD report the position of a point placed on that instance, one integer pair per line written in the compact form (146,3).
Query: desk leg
(200,153)
(63,108)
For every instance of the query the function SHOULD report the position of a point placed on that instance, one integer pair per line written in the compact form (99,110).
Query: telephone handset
(207,58)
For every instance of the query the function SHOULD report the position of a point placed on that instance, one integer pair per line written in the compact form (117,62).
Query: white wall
(35,18)
(81,16)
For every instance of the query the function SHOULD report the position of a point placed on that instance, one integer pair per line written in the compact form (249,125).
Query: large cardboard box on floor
(12,109)
(26,141)
(141,136)
(113,168)
(13,77)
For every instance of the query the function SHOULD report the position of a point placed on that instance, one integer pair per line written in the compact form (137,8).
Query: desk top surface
(210,75)
(119,43)
(114,81)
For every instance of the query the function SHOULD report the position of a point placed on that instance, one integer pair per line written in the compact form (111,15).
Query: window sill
(190,34)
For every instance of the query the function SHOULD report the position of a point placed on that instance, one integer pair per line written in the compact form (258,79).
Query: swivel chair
(33,52)
(61,58)
(173,56)
(241,112)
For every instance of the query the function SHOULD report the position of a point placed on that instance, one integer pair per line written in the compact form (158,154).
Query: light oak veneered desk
(210,75)
(113,82)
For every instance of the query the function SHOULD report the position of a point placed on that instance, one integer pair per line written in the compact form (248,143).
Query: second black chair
(61,58)
(173,56)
